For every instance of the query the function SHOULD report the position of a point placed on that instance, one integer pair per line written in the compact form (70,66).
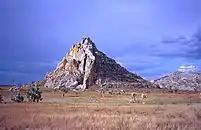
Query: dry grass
(61,116)
(88,111)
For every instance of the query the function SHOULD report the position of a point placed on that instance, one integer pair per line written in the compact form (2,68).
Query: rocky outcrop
(85,66)
(180,80)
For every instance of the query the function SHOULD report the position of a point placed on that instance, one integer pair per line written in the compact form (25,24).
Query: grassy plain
(89,111)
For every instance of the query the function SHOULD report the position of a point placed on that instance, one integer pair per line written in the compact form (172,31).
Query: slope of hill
(181,81)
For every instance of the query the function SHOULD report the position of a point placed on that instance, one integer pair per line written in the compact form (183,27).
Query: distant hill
(181,81)
(5,85)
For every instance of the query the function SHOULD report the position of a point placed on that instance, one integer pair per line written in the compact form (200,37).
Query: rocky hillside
(85,66)
(181,80)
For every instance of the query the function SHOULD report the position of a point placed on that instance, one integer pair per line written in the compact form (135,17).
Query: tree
(33,94)
(1,98)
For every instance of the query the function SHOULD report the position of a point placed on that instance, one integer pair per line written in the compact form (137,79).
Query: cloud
(138,62)
(28,67)
(153,60)
(180,47)
(14,73)
(142,64)
(26,71)
(2,72)
(195,45)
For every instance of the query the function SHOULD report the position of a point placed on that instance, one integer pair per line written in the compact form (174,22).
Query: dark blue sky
(150,38)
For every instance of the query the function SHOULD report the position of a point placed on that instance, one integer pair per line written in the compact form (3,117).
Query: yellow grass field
(89,111)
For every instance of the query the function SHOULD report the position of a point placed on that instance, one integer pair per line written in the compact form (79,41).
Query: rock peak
(85,65)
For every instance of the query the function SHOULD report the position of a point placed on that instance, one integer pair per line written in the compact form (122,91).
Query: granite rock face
(85,66)
(190,81)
